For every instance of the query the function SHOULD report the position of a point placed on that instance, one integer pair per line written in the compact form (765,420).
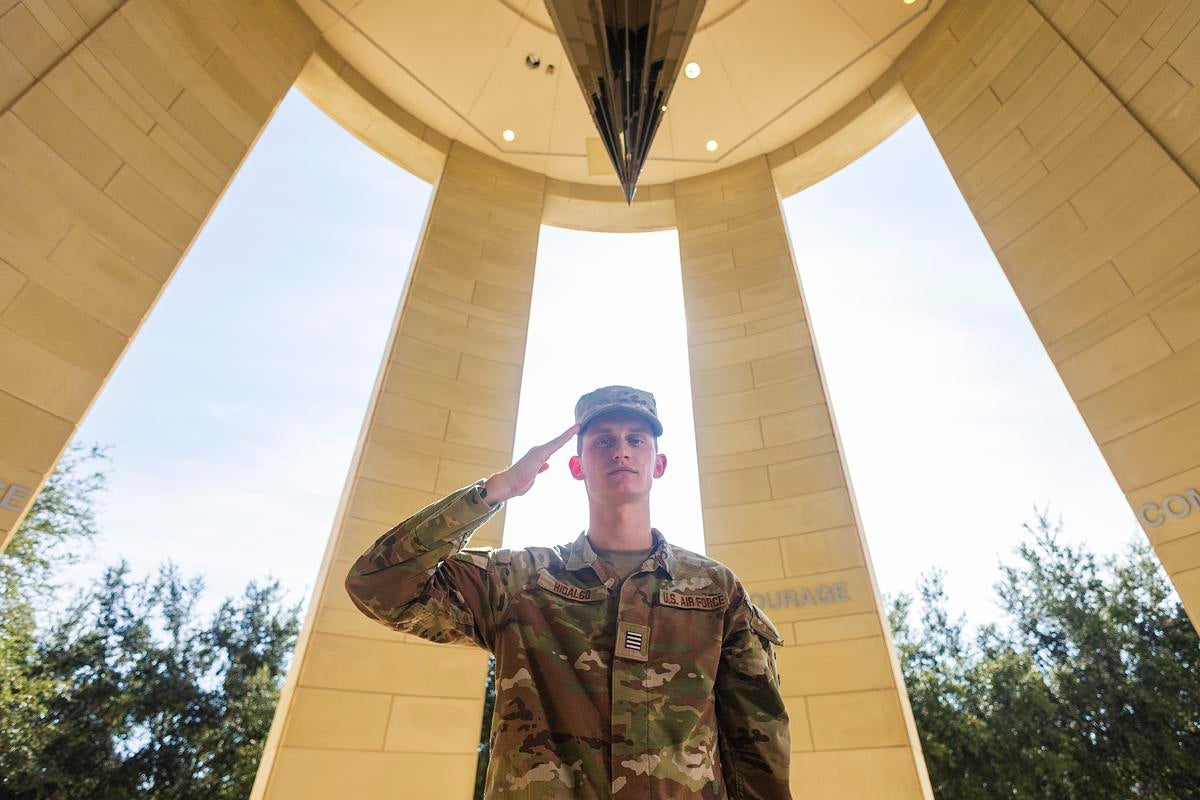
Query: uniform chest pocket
(697,617)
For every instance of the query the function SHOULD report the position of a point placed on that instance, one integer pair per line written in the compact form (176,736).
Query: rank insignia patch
(633,641)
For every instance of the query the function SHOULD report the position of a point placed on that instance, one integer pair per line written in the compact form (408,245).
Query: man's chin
(621,494)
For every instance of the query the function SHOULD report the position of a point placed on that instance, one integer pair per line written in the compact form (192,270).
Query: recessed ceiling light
(909,2)
(508,135)
(692,69)
(711,145)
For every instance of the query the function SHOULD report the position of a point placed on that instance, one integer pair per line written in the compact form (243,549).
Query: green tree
(151,702)
(1088,687)
(254,638)
(61,520)
(128,692)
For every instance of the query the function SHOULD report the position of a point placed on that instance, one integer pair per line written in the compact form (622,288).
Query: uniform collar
(581,554)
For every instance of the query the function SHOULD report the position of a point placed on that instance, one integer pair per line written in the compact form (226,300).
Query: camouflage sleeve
(416,578)
(752,721)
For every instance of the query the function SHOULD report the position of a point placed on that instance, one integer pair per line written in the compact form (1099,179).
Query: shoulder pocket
(763,627)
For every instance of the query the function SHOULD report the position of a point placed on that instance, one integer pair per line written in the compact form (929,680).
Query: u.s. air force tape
(708,602)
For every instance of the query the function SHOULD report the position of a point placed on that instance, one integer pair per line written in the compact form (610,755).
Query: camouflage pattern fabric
(664,688)
(607,399)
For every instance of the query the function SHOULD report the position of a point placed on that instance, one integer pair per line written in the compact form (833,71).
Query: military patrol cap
(617,398)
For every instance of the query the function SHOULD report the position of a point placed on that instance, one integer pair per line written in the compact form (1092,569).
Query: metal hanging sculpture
(626,55)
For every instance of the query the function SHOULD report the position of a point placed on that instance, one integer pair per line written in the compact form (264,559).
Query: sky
(954,421)
(233,416)
(234,413)
(603,315)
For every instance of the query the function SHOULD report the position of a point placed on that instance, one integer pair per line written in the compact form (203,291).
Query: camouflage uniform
(665,687)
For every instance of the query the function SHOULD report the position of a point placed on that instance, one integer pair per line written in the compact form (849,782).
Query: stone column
(368,712)
(778,507)
(1073,132)
(121,125)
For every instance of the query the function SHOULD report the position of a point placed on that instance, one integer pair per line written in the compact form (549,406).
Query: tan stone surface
(373,775)
(1148,55)
(1075,141)
(1069,125)
(776,503)
(835,106)
(442,416)
(877,773)
(433,724)
(354,721)
(103,186)
(856,720)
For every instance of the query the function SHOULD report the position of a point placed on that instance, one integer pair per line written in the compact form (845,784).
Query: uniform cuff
(460,511)
(477,496)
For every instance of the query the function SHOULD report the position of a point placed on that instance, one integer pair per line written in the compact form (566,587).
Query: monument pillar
(1073,132)
(121,124)
(365,708)
(778,507)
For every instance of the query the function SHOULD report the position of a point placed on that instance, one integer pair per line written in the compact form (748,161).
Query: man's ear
(575,464)
(660,465)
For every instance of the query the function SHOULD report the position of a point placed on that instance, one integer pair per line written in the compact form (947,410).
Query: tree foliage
(1088,687)
(128,692)
(61,519)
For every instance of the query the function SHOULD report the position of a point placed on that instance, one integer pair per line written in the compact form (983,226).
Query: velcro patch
(706,602)
(579,594)
(633,641)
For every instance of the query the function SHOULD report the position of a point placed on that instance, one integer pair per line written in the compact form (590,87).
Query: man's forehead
(618,420)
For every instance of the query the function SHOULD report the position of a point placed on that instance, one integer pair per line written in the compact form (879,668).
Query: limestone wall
(1072,128)
(1078,163)
(121,123)
(368,712)
(778,507)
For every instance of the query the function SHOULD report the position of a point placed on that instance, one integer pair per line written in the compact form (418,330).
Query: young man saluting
(625,667)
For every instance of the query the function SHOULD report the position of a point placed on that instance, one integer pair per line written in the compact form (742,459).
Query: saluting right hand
(518,479)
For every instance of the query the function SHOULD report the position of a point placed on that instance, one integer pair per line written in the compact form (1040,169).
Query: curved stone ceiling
(771,70)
